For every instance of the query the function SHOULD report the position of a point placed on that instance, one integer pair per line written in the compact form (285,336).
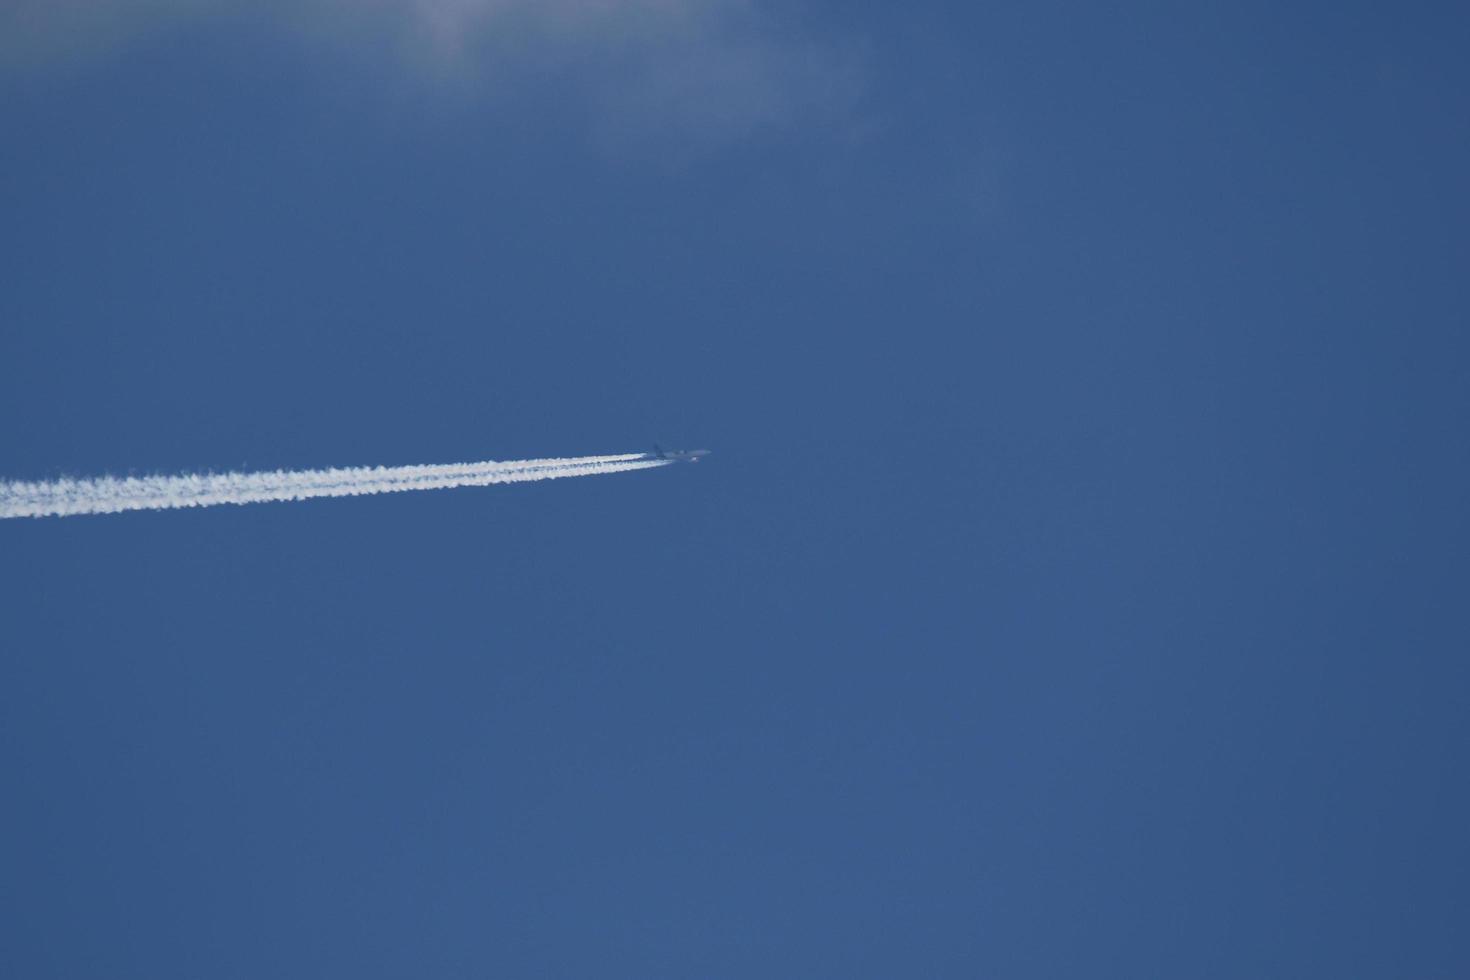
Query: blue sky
(1076,588)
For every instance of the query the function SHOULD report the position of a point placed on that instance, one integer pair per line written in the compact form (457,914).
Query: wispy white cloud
(113,495)
(710,70)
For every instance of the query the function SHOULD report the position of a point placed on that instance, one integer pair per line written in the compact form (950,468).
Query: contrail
(110,495)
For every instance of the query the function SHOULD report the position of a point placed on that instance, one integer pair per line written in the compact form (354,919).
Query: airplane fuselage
(679,455)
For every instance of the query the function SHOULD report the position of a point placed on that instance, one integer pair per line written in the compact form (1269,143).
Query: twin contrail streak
(110,495)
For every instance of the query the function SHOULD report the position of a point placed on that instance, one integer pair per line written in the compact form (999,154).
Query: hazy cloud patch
(706,70)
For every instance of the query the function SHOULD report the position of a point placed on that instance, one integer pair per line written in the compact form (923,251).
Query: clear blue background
(1078,587)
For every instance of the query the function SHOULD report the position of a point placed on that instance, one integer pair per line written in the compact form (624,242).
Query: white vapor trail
(110,495)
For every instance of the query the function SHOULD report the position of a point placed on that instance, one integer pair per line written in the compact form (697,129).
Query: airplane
(678,455)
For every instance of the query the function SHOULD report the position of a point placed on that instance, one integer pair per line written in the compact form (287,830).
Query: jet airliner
(678,455)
